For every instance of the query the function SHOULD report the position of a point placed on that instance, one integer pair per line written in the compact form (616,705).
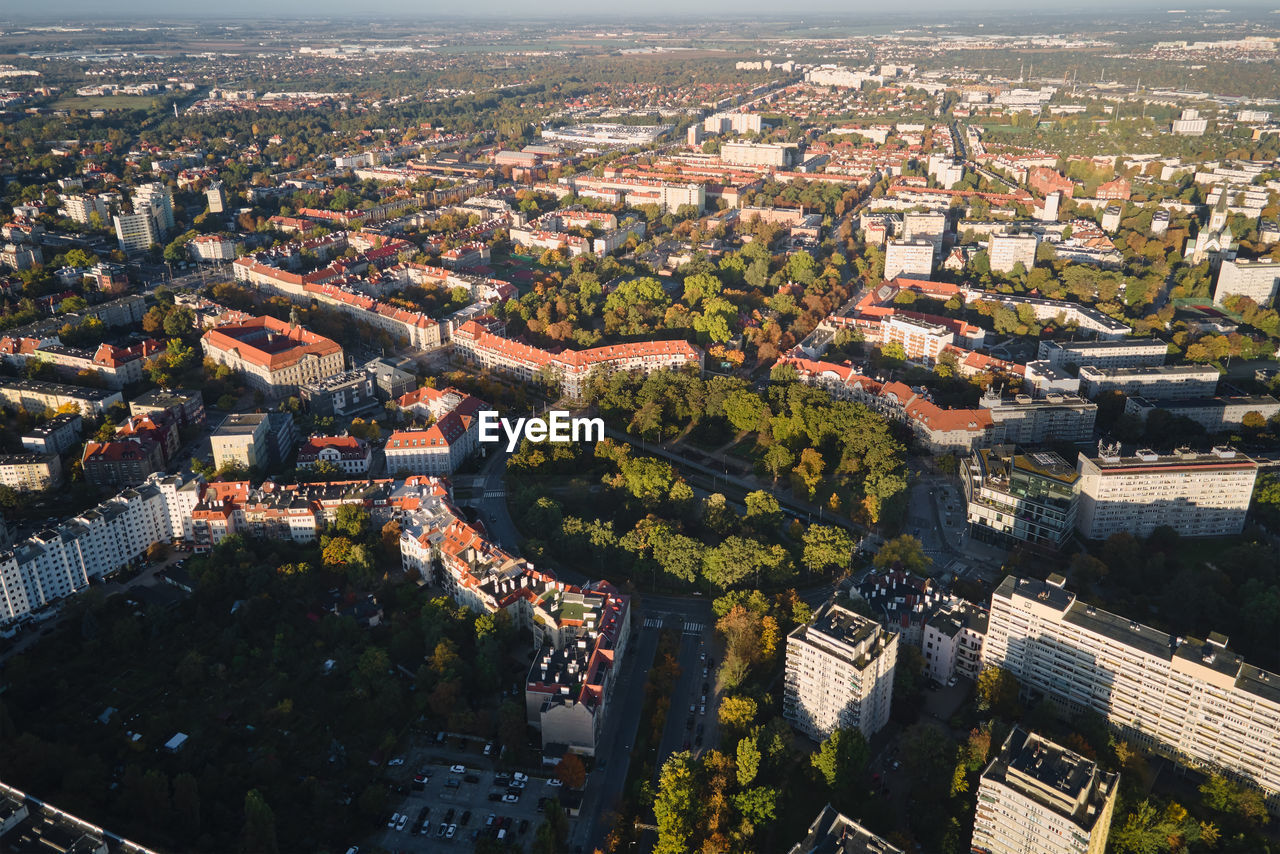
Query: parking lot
(463,799)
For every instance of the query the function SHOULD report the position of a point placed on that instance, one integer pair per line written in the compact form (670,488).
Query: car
(444,828)
(951,683)
(522,777)
(501,779)
(404,819)
(702,710)
(705,672)
(555,781)
(452,783)
(524,825)
(453,828)
(692,708)
(395,763)
(488,749)
(448,817)
(702,656)
(895,764)
(510,799)
(517,784)
(391,822)
(458,769)
(466,817)
(424,828)
(488,822)
(353,850)
(704,699)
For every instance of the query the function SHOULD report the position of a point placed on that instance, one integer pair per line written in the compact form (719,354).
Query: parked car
(404,819)
(510,799)
(522,777)
(391,822)
(459,769)
(555,781)
(453,828)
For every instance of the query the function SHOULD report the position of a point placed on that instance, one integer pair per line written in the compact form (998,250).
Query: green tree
(259,835)
(997,691)
(827,547)
(841,759)
(748,760)
(905,552)
(677,809)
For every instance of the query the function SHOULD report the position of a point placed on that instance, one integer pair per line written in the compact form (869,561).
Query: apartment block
(921,340)
(758,154)
(136,232)
(832,832)
(1006,251)
(1038,796)
(81,208)
(1127,353)
(347,454)
(347,393)
(1191,700)
(1157,382)
(36,396)
(839,673)
(54,436)
(158,199)
(1258,280)
(185,405)
(27,472)
(216,196)
(1214,414)
(1016,497)
(952,642)
(1024,420)
(441,447)
(1198,495)
(911,258)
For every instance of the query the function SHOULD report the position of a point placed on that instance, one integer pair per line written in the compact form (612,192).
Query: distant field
(105,102)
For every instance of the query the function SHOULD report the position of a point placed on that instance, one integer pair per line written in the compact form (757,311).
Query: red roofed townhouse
(274,357)
(122,462)
(1044,181)
(440,448)
(348,454)
(1118,190)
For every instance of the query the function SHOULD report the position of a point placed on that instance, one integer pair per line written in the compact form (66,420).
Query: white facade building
(839,673)
(911,258)
(1005,251)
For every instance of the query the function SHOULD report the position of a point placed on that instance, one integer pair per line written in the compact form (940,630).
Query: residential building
(122,462)
(1127,353)
(136,232)
(1038,796)
(911,258)
(1042,379)
(1191,700)
(1111,218)
(117,366)
(20,256)
(347,393)
(185,405)
(1258,280)
(1197,495)
(439,449)
(158,199)
(241,440)
(1158,382)
(54,436)
(212,247)
(832,832)
(952,642)
(36,396)
(758,154)
(924,225)
(1019,498)
(478,341)
(391,378)
(81,208)
(348,454)
(1057,312)
(839,673)
(216,197)
(921,340)
(1214,414)
(1006,251)
(901,600)
(1023,420)
(1190,124)
(274,357)
(25,472)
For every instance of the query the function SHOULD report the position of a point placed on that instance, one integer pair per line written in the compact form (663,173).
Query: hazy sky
(66,11)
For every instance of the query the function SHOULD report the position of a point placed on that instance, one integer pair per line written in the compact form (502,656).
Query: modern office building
(1017,498)
(1197,495)
(1037,796)
(1126,353)
(1006,251)
(1157,382)
(1191,700)
(839,673)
